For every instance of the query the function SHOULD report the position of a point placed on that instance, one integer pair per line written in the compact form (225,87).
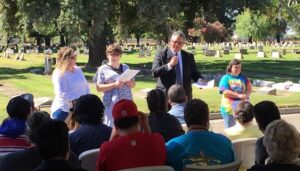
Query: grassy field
(16,78)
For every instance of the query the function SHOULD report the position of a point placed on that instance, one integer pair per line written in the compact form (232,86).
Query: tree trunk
(62,40)
(48,41)
(97,48)
(250,39)
(137,36)
(38,40)
(278,37)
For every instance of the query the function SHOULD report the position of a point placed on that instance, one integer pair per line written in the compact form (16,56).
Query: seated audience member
(264,112)
(29,97)
(198,146)
(159,120)
(70,120)
(12,130)
(282,141)
(129,147)
(88,112)
(28,159)
(244,127)
(52,144)
(177,100)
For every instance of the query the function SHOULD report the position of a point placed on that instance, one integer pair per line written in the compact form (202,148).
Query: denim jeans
(229,120)
(60,114)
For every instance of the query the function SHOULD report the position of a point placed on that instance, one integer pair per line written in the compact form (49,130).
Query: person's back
(28,159)
(198,145)
(159,120)
(12,130)
(165,124)
(52,144)
(244,127)
(129,147)
(265,112)
(239,131)
(177,100)
(136,150)
(88,112)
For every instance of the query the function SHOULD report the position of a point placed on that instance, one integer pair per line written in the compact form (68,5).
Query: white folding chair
(244,150)
(233,166)
(88,159)
(150,168)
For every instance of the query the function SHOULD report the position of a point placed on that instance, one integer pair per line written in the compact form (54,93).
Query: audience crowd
(128,138)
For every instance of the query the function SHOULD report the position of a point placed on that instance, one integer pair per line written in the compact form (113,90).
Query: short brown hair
(231,63)
(177,94)
(114,48)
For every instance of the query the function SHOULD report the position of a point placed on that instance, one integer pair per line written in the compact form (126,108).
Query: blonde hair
(282,141)
(64,56)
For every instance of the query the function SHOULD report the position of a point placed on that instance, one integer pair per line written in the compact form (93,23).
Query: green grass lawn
(17,75)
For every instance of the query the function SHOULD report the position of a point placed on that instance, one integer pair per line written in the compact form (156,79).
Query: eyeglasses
(177,42)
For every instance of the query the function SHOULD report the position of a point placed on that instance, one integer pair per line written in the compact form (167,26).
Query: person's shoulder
(186,53)
(219,136)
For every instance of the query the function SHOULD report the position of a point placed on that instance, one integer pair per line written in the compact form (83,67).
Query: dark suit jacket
(166,78)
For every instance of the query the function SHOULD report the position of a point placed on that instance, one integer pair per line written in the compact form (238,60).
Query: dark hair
(34,123)
(231,63)
(244,112)
(196,112)
(157,101)
(177,94)
(88,109)
(52,140)
(18,108)
(265,112)
(126,123)
(114,48)
(29,97)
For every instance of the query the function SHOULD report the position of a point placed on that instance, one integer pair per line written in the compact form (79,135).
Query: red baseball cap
(124,109)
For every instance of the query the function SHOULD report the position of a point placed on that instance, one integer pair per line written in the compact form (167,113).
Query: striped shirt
(9,145)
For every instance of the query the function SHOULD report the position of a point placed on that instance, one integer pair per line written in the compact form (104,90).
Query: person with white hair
(282,142)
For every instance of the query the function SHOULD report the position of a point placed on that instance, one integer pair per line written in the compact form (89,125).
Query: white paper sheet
(128,75)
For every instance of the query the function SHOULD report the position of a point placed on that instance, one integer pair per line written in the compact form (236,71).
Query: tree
(252,25)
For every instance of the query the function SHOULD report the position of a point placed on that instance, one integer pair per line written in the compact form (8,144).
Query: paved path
(294,119)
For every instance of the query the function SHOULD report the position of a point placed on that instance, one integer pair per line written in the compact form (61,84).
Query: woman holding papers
(235,88)
(107,81)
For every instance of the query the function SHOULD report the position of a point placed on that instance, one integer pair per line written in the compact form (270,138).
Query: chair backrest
(88,159)
(234,166)
(244,150)
(150,168)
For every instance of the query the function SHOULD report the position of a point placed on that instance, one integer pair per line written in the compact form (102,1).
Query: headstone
(275,55)
(262,83)
(141,52)
(218,54)
(226,52)
(260,54)
(295,88)
(227,48)
(147,52)
(267,90)
(210,52)
(260,48)
(238,56)
(252,47)
(48,65)
(283,51)
(243,51)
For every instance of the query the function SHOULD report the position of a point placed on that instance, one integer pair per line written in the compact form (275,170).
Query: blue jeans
(229,120)
(60,114)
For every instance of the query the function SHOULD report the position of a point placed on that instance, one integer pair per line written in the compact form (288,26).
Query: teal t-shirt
(199,147)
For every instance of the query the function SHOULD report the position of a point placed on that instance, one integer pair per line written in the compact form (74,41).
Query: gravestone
(218,54)
(275,55)
(48,65)
(260,48)
(238,56)
(252,47)
(243,51)
(261,54)
(226,52)
(210,52)
(147,52)
(141,52)
(283,51)
(267,90)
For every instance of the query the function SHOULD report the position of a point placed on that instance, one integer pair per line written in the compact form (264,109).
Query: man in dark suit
(175,66)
